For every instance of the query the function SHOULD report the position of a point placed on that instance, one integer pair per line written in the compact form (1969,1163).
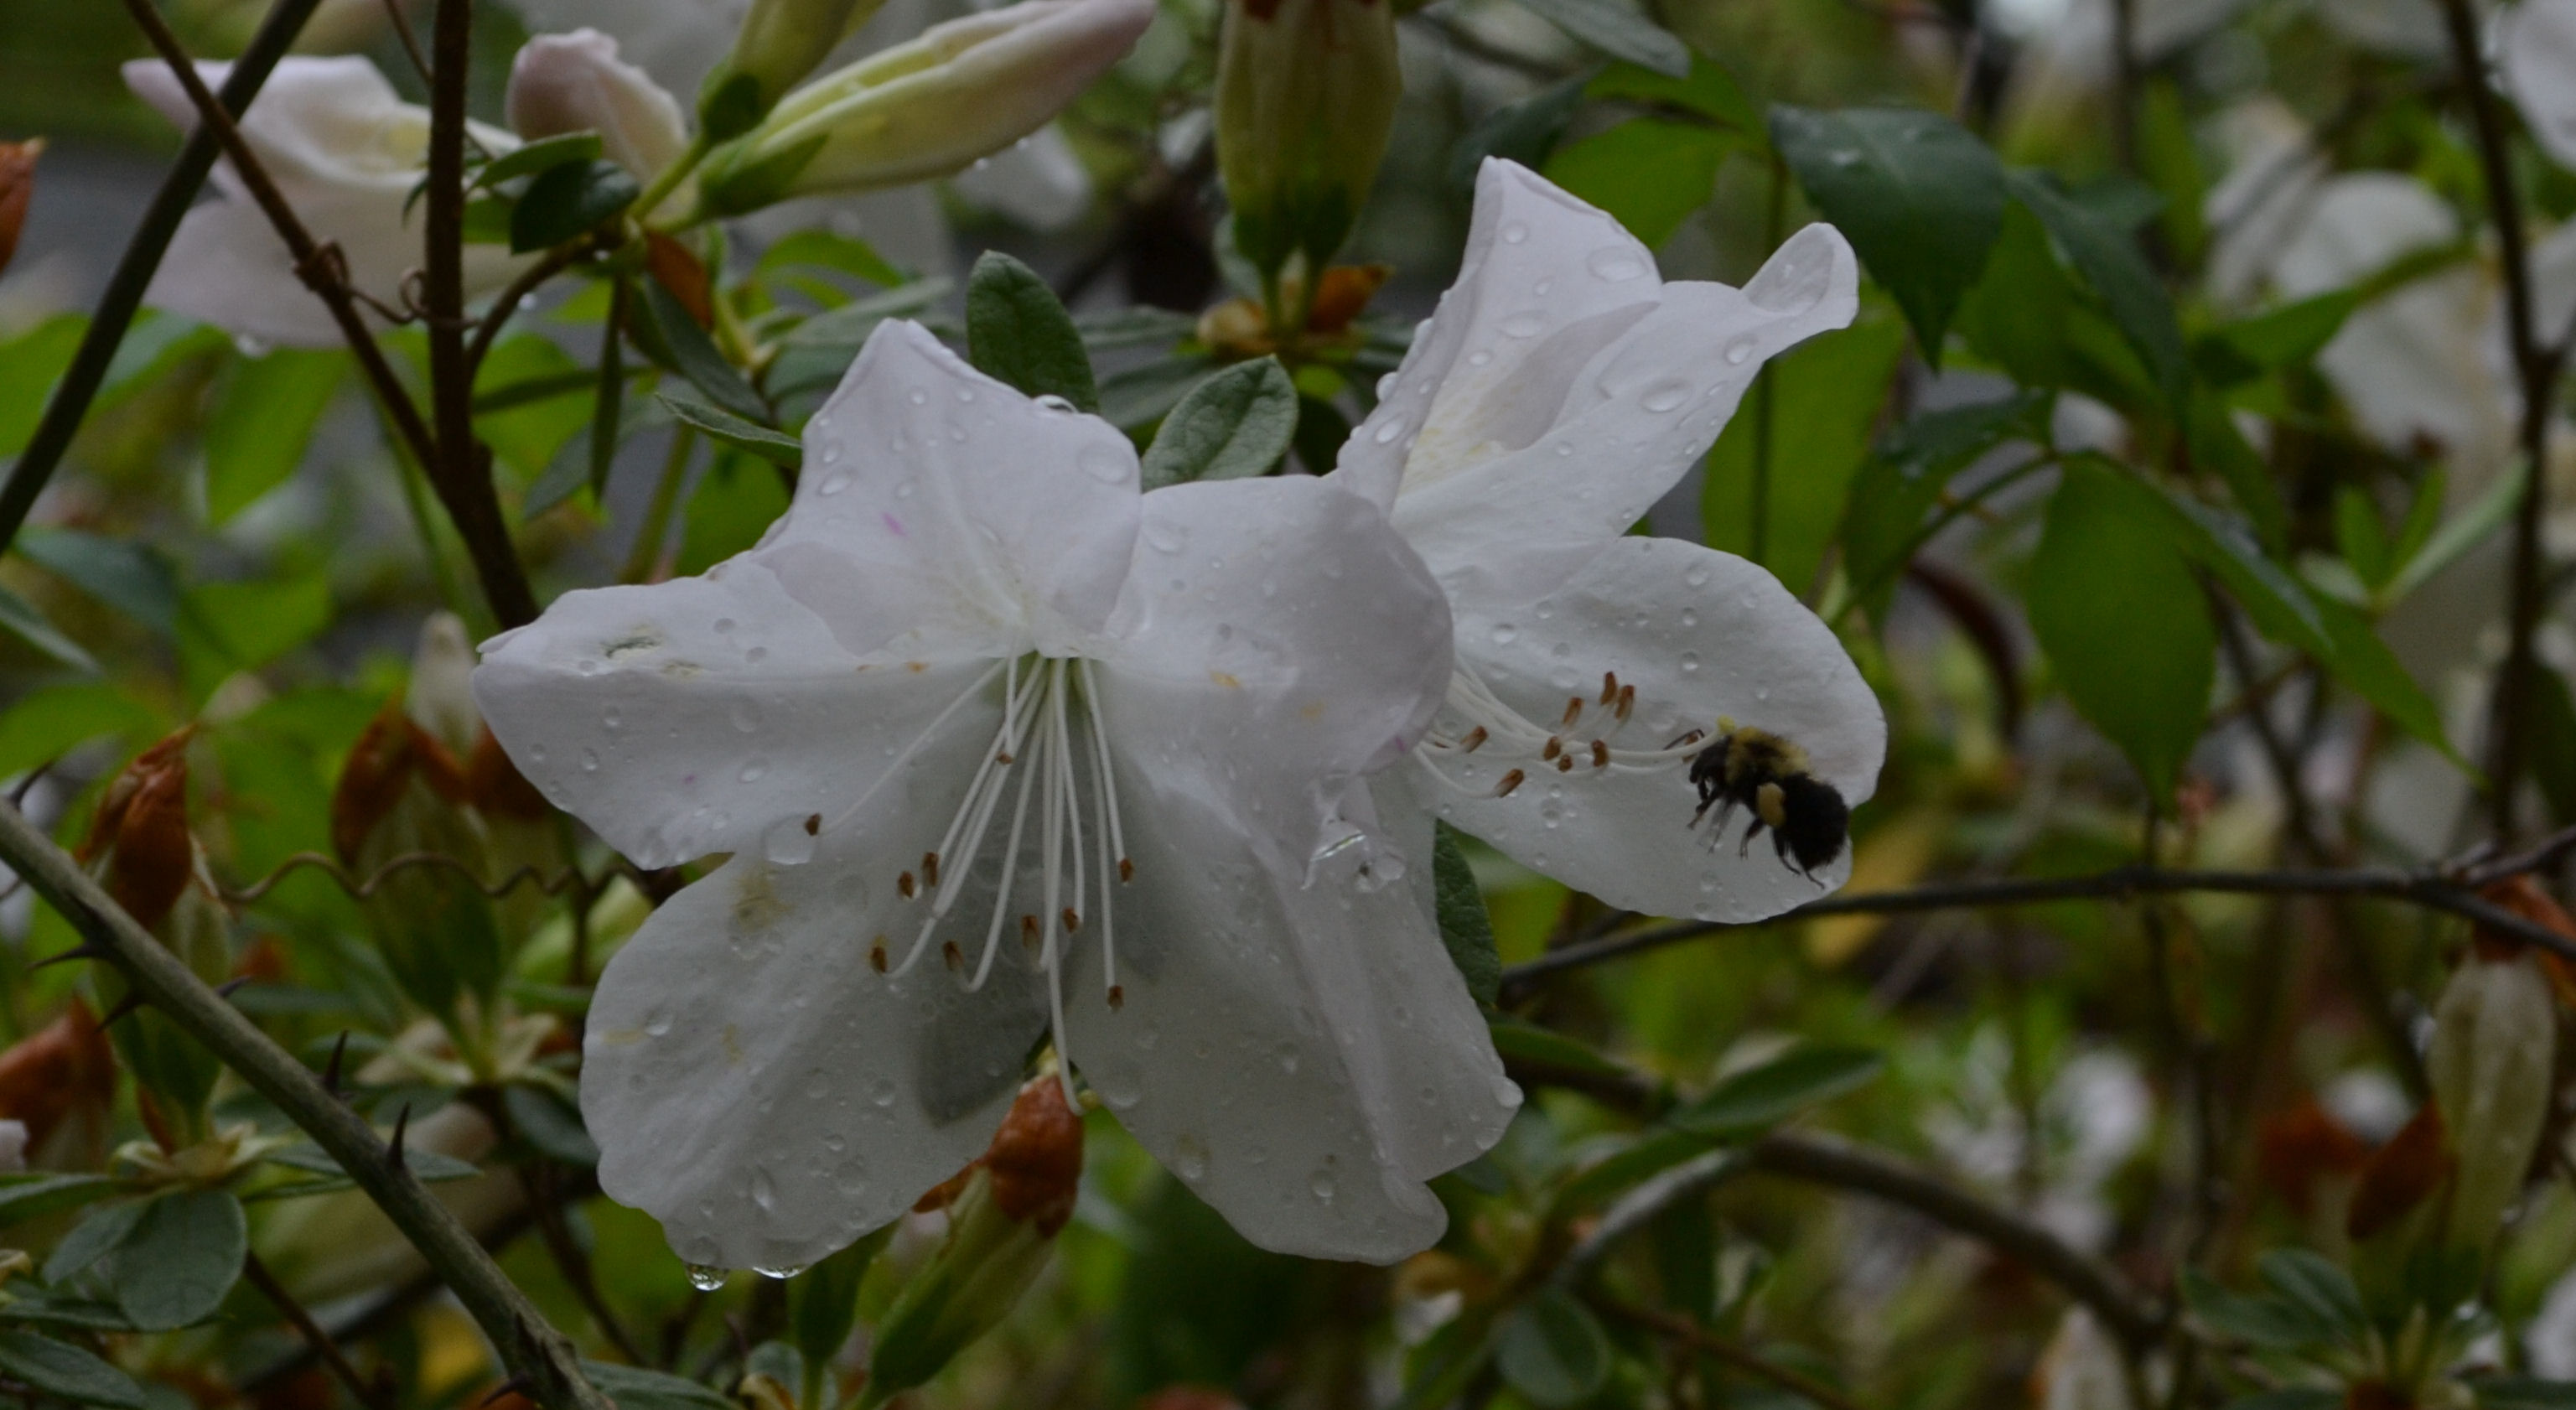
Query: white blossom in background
(2535,47)
(346,152)
(1001,748)
(1037,182)
(1561,389)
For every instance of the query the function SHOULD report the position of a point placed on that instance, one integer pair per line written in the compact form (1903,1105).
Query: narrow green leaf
(635,1388)
(1919,197)
(825,249)
(181,1257)
(2114,603)
(264,412)
(54,1368)
(20,619)
(849,325)
(1825,397)
(823,1301)
(668,334)
(549,1124)
(1618,31)
(2294,1398)
(2463,531)
(1528,1042)
(1523,132)
(776,447)
(2319,1287)
(25,1197)
(2261,1320)
(608,402)
(1017,331)
(2216,445)
(1649,172)
(1140,396)
(1890,509)
(2360,537)
(47,723)
(90,1240)
(2109,259)
(29,366)
(127,575)
(1552,1350)
(569,201)
(1237,423)
(544,154)
(2279,337)
(1466,929)
(1761,1097)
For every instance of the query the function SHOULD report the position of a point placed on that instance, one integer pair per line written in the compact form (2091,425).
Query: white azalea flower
(1001,747)
(1561,389)
(576,82)
(346,152)
(2536,53)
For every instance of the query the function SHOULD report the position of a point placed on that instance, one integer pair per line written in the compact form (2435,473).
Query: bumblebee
(1752,769)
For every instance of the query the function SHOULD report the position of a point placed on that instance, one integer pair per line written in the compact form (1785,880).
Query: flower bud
(963,90)
(139,848)
(1001,1225)
(576,83)
(1306,94)
(2495,1034)
(59,1084)
(17,188)
(779,43)
(401,794)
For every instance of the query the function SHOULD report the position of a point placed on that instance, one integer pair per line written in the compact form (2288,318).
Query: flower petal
(574,82)
(1699,634)
(757,1086)
(708,714)
(1250,1055)
(2536,44)
(1515,525)
(1277,636)
(968,509)
(227,267)
(1545,283)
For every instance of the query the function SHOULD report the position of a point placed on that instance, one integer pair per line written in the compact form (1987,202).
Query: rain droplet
(1051,402)
(704,1278)
(610,720)
(1386,386)
(787,843)
(1387,433)
(1690,663)
(833,483)
(1105,464)
(783,1272)
(1479,358)
(764,1190)
(1166,535)
(1322,1185)
(1738,351)
(1287,1055)
(1189,1159)
(1515,233)
(1505,633)
(752,771)
(883,1092)
(1696,577)
(1665,396)
(1614,265)
(590,761)
(657,1023)
(1542,287)
(1526,325)
(745,715)
(918,397)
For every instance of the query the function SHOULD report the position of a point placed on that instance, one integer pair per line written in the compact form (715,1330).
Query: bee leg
(1780,845)
(1752,830)
(1687,738)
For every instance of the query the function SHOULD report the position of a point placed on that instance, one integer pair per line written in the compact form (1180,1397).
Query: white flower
(2536,52)
(1559,391)
(974,661)
(1038,181)
(576,82)
(346,153)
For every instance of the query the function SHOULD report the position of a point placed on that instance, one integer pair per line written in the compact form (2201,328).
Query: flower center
(1048,745)
(1475,721)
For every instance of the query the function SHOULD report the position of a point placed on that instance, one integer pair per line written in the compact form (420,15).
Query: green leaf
(666,333)
(2319,1287)
(823,1301)
(2263,1321)
(2275,338)
(1523,132)
(1761,1097)
(1707,90)
(1235,424)
(1141,396)
(2463,531)
(549,1124)
(2114,603)
(2360,537)
(824,249)
(634,1388)
(2111,263)
(1552,1350)
(1825,396)
(254,623)
(1546,1047)
(1321,431)
(1136,326)
(263,416)
(47,723)
(736,501)
(569,201)
(526,437)
(2169,157)
(1893,498)
(1919,197)
(544,154)
(2553,742)
(1659,1150)
(849,325)
(2523,1393)
(88,1241)
(30,364)
(29,1196)
(1466,929)
(2217,445)
(1618,31)
(1018,332)
(429,1166)
(776,447)
(20,619)
(179,1260)
(129,576)
(1649,172)
(56,1369)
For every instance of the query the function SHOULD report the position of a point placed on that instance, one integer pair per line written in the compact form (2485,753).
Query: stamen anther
(1475,738)
(1627,701)
(903,884)
(877,956)
(1003,758)
(1126,870)
(1510,781)
(1565,765)
(955,957)
(1573,712)
(1117,996)
(1555,746)
(813,824)
(1609,687)
(1029,931)
(1600,754)
(930,868)
(1072,922)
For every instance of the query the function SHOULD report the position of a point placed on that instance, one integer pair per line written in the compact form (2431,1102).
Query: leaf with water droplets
(1918,196)
(1235,424)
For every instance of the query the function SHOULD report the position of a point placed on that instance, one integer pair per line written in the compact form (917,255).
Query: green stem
(657,515)
(541,1357)
(669,181)
(80,382)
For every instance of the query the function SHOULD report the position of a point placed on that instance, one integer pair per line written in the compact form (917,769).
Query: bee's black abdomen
(1814,821)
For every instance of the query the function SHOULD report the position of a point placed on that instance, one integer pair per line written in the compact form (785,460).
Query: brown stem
(1725,1349)
(574,1264)
(2536,369)
(488,331)
(461,471)
(319,1340)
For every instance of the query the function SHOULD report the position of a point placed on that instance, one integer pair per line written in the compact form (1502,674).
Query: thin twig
(554,262)
(258,1275)
(2432,891)
(1729,1351)
(401,24)
(554,883)
(574,1264)
(527,1344)
(123,297)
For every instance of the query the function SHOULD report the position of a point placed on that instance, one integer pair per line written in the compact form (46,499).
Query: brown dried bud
(496,788)
(2303,1146)
(2525,898)
(1343,294)
(1036,1158)
(141,833)
(17,188)
(61,1071)
(2401,1175)
(383,763)
(678,271)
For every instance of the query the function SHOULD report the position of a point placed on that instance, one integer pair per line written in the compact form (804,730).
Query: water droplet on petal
(1387,433)
(1665,396)
(745,715)
(783,1272)
(1524,325)
(1167,536)
(1690,663)
(1614,265)
(751,772)
(833,483)
(1051,402)
(1738,351)
(883,1093)
(1515,233)
(787,843)
(704,1278)
(590,761)
(1323,1186)
(1505,633)
(1106,464)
